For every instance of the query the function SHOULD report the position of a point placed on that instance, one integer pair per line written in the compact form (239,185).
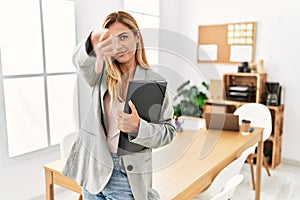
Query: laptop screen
(222,121)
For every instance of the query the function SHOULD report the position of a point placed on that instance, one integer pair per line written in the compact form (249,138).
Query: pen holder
(178,124)
(245,127)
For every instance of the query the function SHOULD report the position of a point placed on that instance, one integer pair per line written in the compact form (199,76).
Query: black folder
(148,97)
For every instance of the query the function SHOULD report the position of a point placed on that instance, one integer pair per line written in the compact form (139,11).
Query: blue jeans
(117,188)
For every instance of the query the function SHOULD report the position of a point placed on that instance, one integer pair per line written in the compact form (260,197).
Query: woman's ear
(137,38)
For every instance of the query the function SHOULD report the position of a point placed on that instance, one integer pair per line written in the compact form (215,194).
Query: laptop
(222,121)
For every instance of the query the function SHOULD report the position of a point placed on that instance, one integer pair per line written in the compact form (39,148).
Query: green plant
(267,152)
(191,100)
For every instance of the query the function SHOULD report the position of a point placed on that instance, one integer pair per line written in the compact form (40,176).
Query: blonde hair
(112,68)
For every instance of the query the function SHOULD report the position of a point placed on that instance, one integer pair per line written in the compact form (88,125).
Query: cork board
(226,43)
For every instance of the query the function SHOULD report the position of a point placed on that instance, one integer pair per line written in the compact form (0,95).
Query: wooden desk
(187,176)
(53,176)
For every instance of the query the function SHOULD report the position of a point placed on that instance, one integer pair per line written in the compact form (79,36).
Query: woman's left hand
(128,123)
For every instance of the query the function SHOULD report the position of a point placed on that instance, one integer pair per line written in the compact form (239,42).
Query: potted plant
(267,154)
(191,100)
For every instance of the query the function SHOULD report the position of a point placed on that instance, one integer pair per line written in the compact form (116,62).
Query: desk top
(55,166)
(189,175)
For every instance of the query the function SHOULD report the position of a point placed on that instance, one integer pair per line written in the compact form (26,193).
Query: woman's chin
(122,59)
(125,58)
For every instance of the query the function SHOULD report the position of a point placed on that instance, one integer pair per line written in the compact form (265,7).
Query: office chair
(260,116)
(224,175)
(229,188)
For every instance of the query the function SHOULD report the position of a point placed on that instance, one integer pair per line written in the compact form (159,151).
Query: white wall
(23,178)
(177,56)
(277,43)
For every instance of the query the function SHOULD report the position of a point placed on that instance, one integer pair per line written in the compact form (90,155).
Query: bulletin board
(226,43)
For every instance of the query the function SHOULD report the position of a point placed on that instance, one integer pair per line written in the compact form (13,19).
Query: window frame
(148,14)
(5,158)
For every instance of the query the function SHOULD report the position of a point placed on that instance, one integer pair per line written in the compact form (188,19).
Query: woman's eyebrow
(123,33)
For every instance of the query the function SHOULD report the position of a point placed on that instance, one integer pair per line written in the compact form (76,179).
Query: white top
(113,132)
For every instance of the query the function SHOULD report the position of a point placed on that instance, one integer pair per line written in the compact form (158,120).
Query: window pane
(20,37)
(61,90)
(25,115)
(146,21)
(149,28)
(59,34)
(143,6)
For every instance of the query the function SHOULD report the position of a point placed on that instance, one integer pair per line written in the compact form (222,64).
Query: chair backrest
(66,144)
(225,174)
(258,114)
(229,188)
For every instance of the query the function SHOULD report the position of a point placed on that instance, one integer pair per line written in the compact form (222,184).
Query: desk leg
(258,168)
(49,185)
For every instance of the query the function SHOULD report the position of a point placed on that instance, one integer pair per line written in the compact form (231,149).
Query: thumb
(132,106)
(104,34)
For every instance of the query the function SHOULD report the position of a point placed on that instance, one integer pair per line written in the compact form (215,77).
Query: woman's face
(126,42)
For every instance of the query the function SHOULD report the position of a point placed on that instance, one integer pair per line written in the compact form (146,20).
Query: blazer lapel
(98,94)
(140,73)
(103,88)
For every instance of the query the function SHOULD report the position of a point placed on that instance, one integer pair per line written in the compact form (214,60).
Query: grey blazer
(90,162)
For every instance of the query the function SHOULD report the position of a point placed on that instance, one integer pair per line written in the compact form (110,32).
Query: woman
(107,60)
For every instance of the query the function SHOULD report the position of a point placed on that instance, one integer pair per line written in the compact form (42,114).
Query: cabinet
(272,146)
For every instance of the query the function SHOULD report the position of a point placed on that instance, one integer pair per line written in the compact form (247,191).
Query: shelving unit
(272,146)
(275,139)
(255,80)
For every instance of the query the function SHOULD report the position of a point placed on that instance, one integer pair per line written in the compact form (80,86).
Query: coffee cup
(245,127)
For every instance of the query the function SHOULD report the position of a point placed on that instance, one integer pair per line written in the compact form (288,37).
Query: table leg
(49,185)
(259,162)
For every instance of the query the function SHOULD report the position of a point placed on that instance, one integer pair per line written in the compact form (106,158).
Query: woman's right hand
(104,44)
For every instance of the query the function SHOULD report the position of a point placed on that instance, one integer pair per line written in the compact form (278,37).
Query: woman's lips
(119,54)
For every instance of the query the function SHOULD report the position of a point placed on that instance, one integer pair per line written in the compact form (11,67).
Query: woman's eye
(123,37)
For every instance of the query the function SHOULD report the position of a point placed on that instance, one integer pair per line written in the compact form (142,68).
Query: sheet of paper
(208,52)
(240,53)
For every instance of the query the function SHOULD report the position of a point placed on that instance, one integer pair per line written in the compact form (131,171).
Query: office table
(188,175)
(53,176)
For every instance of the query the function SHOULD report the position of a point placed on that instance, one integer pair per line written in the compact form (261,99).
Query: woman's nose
(119,45)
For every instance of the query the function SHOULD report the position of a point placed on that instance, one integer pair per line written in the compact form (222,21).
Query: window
(146,14)
(37,77)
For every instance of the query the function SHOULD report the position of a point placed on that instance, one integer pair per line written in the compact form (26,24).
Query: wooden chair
(260,116)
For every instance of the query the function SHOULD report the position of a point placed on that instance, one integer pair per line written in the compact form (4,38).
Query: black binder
(148,97)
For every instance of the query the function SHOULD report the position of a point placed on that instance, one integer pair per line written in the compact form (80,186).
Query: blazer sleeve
(157,135)
(85,63)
